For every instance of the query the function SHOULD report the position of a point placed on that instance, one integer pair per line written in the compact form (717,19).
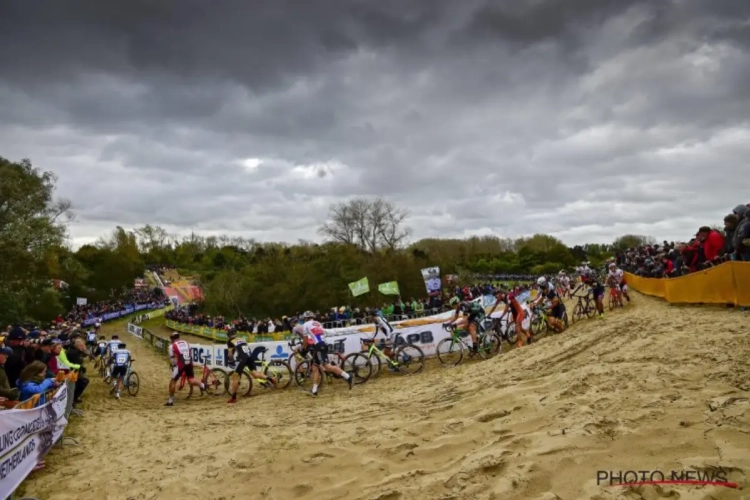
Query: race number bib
(121,358)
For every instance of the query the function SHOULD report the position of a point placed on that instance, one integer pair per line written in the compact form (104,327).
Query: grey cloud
(582,118)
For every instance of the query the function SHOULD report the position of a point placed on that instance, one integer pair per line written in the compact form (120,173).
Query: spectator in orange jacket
(712,242)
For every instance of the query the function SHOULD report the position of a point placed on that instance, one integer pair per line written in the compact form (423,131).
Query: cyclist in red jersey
(181,359)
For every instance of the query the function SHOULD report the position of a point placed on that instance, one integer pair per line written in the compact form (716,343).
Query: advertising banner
(27,436)
(432,283)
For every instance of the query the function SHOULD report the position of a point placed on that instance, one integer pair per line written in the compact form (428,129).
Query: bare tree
(370,224)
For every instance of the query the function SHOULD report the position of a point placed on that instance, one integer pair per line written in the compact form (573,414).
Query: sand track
(651,387)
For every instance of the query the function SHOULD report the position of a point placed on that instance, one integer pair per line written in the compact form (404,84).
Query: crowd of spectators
(136,296)
(343,316)
(33,360)
(707,248)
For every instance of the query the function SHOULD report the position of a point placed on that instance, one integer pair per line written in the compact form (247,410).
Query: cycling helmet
(308,315)
(115,337)
(541,281)
(174,335)
(231,334)
(612,264)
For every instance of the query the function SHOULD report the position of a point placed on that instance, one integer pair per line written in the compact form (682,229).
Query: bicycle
(131,381)
(213,379)
(585,307)
(540,323)
(489,344)
(406,359)
(613,300)
(507,334)
(304,375)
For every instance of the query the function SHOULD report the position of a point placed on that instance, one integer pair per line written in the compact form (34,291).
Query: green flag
(390,288)
(360,287)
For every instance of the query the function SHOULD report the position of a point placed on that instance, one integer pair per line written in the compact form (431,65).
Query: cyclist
(557,308)
(382,326)
(596,289)
(239,351)
(91,338)
(181,359)
(512,307)
(473,317)
(616,279)
(313,336)
(101,348)
(110,351)
(120,367)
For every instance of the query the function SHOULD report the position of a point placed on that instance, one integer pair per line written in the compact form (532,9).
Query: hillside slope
(651,387)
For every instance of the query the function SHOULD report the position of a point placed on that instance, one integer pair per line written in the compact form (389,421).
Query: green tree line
(241,276)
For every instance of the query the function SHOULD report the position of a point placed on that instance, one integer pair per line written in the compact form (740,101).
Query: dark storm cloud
(585,118)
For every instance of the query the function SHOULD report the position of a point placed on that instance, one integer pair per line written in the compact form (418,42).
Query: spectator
(33,380)
(55,350)
(43,354)
(712,242)
(742,233)
(76,355)
(6,391)
(730,227)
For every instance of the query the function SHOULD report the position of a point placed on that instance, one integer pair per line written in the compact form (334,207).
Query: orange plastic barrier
(728,283)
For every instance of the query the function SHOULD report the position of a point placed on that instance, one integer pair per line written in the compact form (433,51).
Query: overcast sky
(585,119)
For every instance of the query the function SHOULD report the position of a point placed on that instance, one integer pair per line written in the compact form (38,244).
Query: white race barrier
(26,436)
(339,340)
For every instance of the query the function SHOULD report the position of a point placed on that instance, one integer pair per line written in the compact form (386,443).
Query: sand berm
(652,387)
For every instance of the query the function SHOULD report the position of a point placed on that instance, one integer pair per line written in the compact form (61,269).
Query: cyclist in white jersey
(91,337)
(120,362)
(112,346)
(617,278)
(181,360)
(382,326)
(313,340)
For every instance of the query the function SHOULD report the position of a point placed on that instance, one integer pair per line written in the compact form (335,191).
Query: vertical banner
(390,288)
(432,283)
(360,287)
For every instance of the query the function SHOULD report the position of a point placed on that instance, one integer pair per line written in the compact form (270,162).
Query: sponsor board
(26,435)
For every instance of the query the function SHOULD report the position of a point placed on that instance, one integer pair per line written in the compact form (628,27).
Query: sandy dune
(651,387)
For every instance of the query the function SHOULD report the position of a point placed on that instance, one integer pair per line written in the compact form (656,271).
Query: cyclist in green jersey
(473,315)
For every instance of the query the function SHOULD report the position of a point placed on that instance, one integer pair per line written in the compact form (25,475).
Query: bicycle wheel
(281,371)
(538,325)
(303,375)
(133,383)
(591,309)
(358,366)
(578,312)
(244,387)
(410,359)
(376,364)
(450,352)
(511,334)
(102,369)
(216,382)
(491,344)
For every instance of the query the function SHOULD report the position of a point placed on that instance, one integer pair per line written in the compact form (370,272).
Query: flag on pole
(360,287)
(390,288)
